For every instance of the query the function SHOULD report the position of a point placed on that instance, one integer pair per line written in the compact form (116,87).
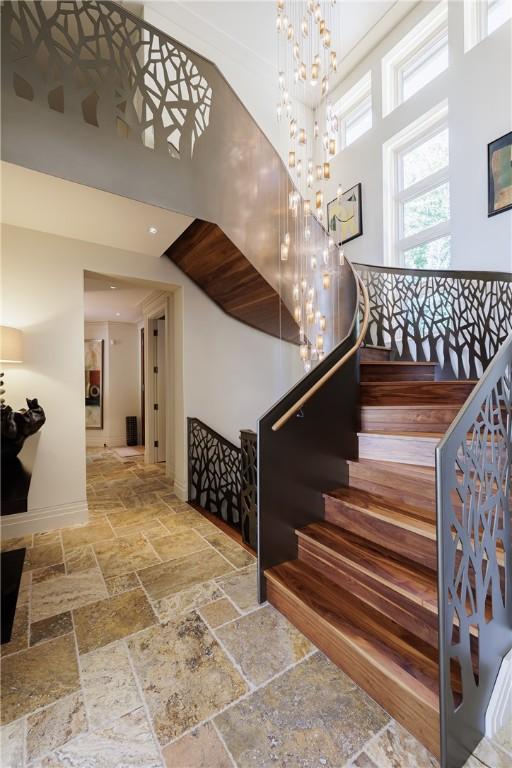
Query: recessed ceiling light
(118,314)
(113,287)
(152,230)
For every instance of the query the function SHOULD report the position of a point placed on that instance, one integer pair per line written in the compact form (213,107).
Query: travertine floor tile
(263,643)
(312,715)
(241,587)
(395,748)
(219,612)
(201,748)
(176,575)
(46,574)
(188,518)
(184,674)
(109,686)
(80,559)
(118,584)
(152,529)
(98,624)
(50,537)
(56,725)
(66,592)
(17,543)
(126,743)
(43,555)
(178,544)
(38,676)
(130,553)
(237,555)
(169,608)
(86,534)
(12,744)
(54,626)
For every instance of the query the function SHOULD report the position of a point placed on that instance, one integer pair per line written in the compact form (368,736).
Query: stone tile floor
(139,643)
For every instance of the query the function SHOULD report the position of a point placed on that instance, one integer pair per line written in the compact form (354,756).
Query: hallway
(139,643)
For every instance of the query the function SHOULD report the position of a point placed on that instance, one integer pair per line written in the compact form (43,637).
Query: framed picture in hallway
(345,216)
(94,383)
(499,174)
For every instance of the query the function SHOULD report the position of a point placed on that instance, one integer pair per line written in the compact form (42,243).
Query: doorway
(157,365)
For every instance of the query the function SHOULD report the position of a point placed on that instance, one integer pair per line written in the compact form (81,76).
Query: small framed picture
(499,174)
(345,216)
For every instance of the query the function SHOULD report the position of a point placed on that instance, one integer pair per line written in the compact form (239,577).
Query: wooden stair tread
(417,584)
(433,436)
(421,519)
(394,650)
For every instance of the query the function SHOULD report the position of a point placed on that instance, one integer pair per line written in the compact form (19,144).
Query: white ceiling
(38,201)
(111,299)
(249,25)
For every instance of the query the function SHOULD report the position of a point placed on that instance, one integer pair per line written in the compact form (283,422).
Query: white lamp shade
(11,345)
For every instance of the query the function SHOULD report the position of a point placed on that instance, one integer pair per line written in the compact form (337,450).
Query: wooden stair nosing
(400,687)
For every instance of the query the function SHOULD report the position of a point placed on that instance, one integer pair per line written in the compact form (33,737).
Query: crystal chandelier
(307,62)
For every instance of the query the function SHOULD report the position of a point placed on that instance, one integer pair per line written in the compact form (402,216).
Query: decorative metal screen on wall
(214,472)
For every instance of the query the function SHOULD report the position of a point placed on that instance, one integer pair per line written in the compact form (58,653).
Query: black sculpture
(18,425)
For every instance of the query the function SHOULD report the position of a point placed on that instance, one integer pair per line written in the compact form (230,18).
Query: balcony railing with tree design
(456,319)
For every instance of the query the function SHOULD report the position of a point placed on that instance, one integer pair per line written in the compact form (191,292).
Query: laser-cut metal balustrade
(473,489)
(456,319)
(249,493)
(214,472)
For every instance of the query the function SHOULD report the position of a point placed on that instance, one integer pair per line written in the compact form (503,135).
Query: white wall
(478,86)
(121,380)
(231,373)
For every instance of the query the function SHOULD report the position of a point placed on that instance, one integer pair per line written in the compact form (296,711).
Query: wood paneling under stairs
(209,258)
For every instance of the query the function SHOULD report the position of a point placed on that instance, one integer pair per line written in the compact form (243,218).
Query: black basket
(131,430)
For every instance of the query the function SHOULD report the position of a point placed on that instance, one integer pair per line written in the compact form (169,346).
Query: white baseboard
(180,489)
(499,711)
(43,519)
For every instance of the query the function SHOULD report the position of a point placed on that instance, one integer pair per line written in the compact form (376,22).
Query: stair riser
(396,494)
(369,354)
(383,419)
(404,450)
(396,372)
(385,534)
(400,608)
(419,717)
(416,393)
(410,486)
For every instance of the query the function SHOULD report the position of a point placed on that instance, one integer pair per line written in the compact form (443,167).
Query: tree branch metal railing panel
(249,496)
(474,505)
(214,472)
(456,319)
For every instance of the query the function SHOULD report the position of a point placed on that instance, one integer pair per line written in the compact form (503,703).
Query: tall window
(418,58)
(417,194)
(354,111)
(482,18)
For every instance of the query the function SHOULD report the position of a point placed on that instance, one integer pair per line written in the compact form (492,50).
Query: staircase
(364,585)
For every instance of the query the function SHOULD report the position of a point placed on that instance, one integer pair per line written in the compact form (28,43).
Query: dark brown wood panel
(401,484)
(396,668)
(381,370)
(368,353)
(416,392)
(209,258)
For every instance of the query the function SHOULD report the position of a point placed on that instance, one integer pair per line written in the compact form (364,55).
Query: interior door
(160,389)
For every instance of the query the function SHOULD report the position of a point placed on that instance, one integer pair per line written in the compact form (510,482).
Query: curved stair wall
(95,95)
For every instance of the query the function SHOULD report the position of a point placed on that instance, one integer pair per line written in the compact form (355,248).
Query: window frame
(351,106)
(395,196)
(476,23)
(431,30)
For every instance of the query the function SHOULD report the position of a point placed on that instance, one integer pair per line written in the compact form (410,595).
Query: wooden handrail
(362,333)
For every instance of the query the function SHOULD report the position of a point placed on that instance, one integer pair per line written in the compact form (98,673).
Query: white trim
(426,32)
(44,519)
(499,711)
(181,490)
(425,126)
(351,105)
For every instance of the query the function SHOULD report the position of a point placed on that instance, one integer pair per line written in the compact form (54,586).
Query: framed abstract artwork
(345,216)
(94,383)
(499,175)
